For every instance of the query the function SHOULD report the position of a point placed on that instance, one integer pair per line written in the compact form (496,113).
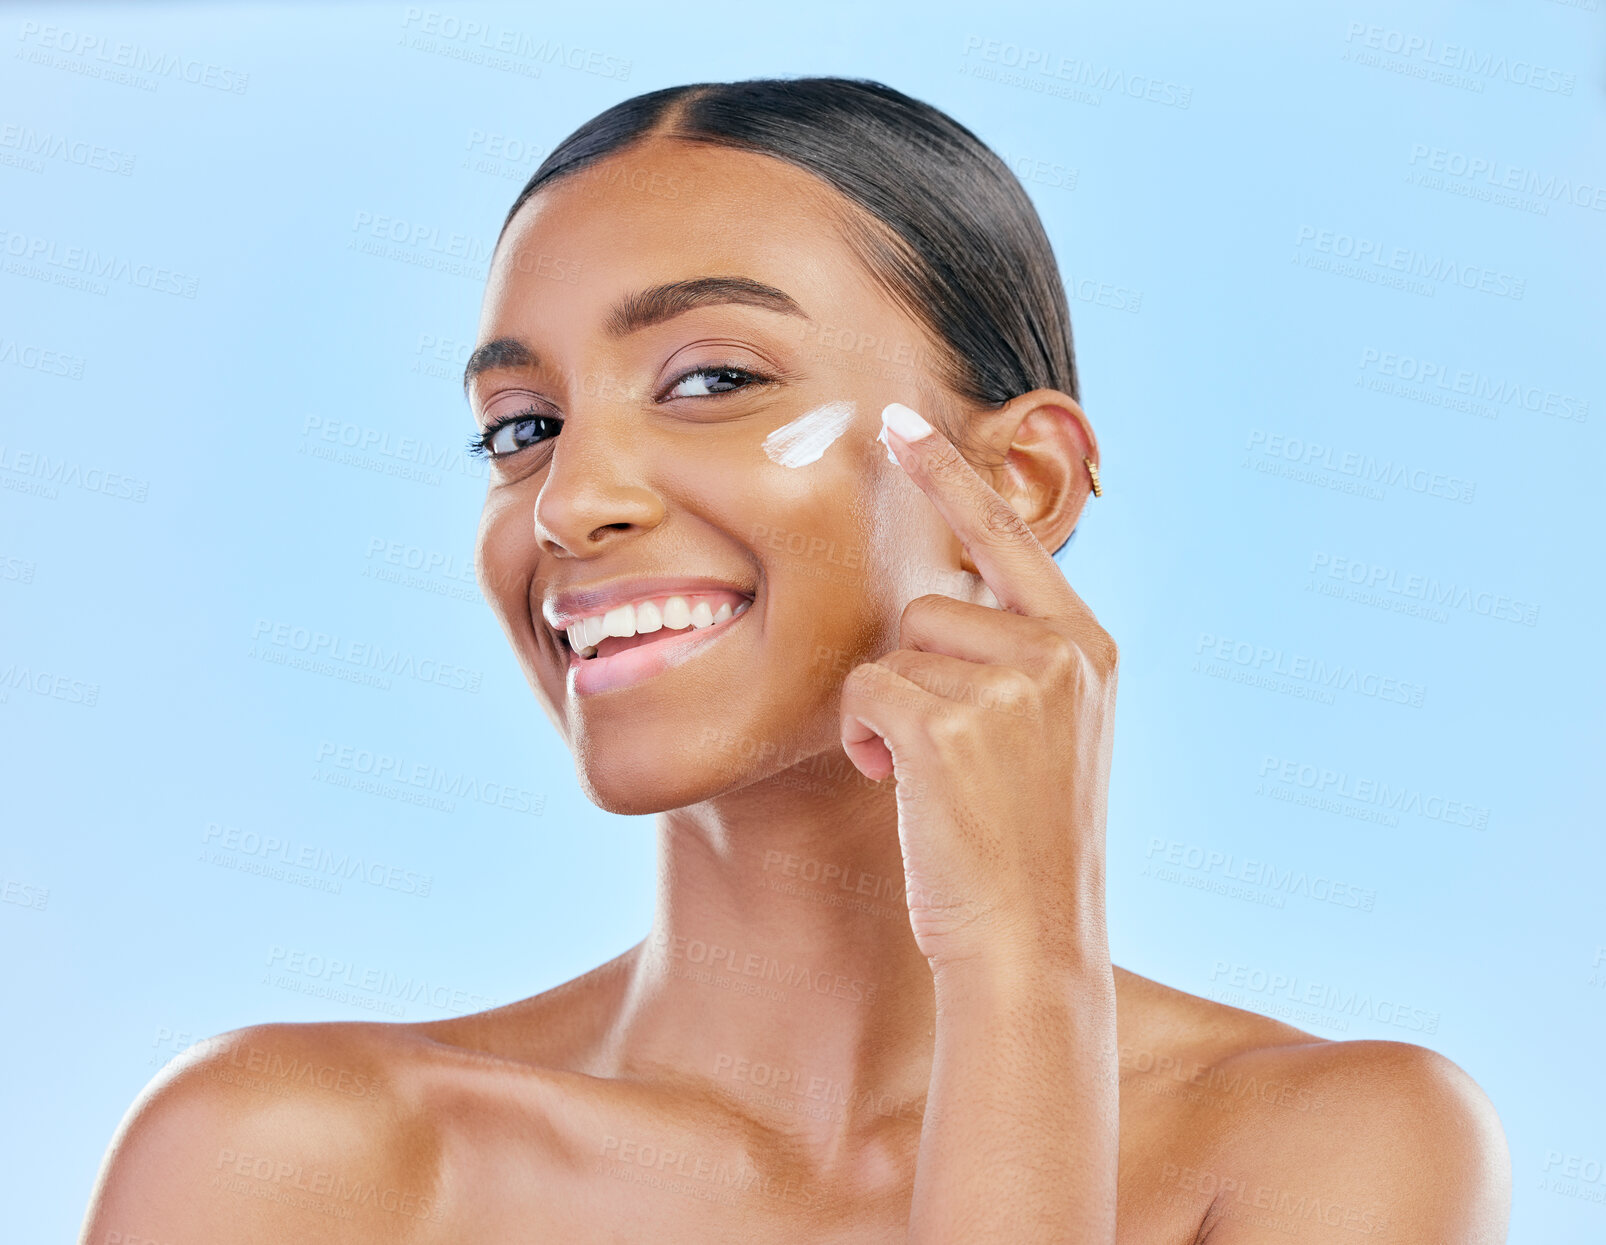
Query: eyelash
(479,445)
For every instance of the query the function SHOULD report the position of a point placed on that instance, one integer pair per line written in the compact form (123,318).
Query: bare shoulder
(276,1132)
(337,1131)
(1286,1131)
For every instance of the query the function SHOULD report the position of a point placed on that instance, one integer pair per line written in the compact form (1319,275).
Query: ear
(1032,449)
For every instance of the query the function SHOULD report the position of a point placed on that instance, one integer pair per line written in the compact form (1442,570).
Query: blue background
(251,420)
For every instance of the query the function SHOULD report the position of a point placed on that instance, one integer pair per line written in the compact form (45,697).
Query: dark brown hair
(959,245)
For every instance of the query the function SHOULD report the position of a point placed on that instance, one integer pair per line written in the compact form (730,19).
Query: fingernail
(904,421)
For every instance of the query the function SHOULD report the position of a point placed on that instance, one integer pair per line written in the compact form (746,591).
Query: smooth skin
(917,704)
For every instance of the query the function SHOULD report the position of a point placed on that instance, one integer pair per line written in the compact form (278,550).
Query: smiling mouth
(648,622)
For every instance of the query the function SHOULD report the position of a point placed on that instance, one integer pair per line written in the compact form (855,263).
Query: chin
(640,788)
(635,774)
(620,771)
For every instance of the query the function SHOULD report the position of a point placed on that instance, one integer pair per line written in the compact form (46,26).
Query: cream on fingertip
(905,421)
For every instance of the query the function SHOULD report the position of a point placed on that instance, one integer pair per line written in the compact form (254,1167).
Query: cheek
(827,535)
(806,439)
(504,552)
(821,467)
(912,550)
(862,517)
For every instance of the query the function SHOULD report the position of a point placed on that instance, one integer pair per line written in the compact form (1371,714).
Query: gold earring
(1093,474)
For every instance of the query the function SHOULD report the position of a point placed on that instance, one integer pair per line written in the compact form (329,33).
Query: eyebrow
(503,352)
(642,310)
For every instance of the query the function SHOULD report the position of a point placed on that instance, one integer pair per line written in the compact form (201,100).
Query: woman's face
(661,314)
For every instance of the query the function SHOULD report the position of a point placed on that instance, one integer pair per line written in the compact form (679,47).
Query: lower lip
(588,675)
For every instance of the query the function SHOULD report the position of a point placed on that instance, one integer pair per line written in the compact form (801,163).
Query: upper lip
(572,604)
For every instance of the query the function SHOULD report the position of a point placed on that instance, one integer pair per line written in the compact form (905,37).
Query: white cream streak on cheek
(809,435)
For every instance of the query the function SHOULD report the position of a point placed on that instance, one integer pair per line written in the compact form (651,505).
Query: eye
(513,433)
(706,382)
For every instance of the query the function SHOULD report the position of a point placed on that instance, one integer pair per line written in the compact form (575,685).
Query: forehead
(667,210)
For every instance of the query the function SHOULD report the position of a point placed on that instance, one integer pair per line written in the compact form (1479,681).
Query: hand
(997,725)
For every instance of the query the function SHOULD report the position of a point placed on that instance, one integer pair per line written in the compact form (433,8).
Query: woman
(777,386)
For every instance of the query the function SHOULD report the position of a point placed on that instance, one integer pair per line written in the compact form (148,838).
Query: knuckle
(1014,687)
(1085,659)
(1003,522)
(863,679)
(943,459)
(1102,651)
(1012,694)
(1054,651)
(945,730)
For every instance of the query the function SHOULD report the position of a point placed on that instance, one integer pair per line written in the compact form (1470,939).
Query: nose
(594,494)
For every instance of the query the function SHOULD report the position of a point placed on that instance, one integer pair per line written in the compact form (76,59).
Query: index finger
(1012,561)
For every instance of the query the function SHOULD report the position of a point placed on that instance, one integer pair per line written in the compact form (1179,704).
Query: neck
(780,966)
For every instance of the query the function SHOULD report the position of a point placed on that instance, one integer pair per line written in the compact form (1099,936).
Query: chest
(640,1182)
(585,1159)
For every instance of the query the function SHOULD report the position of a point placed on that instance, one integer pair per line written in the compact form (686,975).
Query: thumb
(884,720)
(866,749)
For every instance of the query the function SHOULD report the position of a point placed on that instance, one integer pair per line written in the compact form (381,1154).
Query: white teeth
(642,618)
(583,636)
(648,618)
(677,615)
